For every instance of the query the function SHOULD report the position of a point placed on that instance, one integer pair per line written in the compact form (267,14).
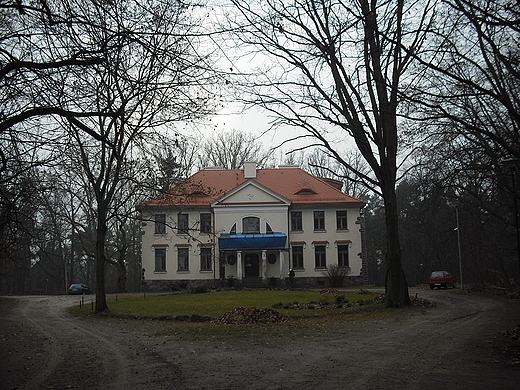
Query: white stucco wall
(331,235)
(223,219)
(275,216)
(193,241)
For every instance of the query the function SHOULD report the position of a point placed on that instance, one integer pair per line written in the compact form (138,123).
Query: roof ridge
(285,182)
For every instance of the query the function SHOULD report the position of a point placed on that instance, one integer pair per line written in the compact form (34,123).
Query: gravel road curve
(457,345)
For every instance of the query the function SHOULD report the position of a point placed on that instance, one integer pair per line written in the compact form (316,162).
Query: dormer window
(306,191)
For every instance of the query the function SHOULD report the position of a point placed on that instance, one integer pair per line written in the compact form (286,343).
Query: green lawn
(215,304)
(305,321)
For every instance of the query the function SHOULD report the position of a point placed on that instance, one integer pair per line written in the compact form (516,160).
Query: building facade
(250,226)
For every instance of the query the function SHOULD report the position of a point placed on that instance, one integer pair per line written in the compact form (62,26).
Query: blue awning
(252,241)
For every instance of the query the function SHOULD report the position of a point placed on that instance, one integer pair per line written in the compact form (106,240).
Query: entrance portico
(254,255)
(255,264)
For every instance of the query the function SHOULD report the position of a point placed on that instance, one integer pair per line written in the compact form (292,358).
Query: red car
(441,279)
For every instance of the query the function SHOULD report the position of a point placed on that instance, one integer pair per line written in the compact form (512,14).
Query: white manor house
(251,226)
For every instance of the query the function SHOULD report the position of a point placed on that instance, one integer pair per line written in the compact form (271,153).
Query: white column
(264,265)
(282,273)
(239,265)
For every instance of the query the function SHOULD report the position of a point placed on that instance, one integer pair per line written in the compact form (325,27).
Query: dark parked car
(441,279)
(79,289)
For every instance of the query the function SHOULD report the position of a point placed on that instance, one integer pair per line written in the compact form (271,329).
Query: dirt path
(43,347)
(457,345)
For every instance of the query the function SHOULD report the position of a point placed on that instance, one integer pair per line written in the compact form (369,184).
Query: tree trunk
(396,287)
(121,277)
(121,282)
(101,231)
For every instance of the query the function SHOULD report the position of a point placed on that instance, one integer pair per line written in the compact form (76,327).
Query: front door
(252,265)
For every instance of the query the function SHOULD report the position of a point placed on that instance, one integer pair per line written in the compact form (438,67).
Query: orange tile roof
(208,185)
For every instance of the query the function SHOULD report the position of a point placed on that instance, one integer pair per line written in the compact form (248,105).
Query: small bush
(336,275)
(197,288)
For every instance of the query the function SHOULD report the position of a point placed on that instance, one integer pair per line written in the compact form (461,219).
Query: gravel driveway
(457,345)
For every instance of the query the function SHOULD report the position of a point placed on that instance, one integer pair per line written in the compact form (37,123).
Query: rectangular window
(319,256)
(160,259)
(343,256)
(205,259)
(182,223)
(296,221)
(319,220)
(297,256)
(205,223)
(160,223)
(183,259)
(341,219)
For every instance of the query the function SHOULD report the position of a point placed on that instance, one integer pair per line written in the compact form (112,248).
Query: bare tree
(468,103)
(472,77)
(341,65)
(17,216)
(36,70)
(321,164)
(41,52)
(174,159)
(154,79)
(231,149)
(118,72)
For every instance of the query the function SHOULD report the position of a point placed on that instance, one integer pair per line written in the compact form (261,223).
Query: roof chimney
(333,182)
(250,170)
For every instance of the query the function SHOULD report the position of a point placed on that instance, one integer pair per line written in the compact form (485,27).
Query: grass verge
(306,317)
(215,304)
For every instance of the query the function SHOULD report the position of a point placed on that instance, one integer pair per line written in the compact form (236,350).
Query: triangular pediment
(251,192)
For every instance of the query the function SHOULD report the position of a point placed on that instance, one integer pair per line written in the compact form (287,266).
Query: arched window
(251,225)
